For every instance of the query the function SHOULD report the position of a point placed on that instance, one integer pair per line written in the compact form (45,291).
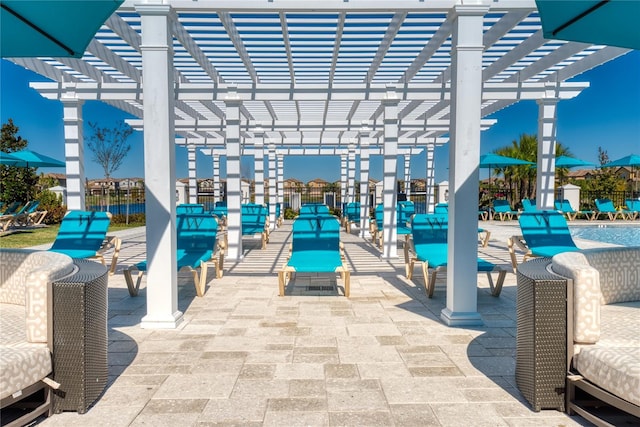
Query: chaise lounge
(603,317)
(26,341)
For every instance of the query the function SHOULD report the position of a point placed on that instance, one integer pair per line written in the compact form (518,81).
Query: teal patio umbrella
(607,22)
(31,159)
(566,162)
(8,159)
(631,161)
(497,161)
(55,28)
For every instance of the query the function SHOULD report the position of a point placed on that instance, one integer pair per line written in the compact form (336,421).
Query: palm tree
(522,179)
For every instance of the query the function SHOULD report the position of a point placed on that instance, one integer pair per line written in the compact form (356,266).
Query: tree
(522,179)
(605,181)
(109,147)
(16,183)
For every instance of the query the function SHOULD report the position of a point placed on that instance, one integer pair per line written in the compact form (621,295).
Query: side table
(541,339)
(80,337)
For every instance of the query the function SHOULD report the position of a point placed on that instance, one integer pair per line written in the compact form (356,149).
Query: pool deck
(246,357)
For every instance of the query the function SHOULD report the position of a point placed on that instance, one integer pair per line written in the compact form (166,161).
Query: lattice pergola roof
(312,73)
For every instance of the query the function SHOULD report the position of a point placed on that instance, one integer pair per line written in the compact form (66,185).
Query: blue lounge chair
(564,207)
(30,216)
(255,220)
(11,209)
(403,216)
(189,208)
(483,235)
(605,207)
(544,234)
(220,210)
(7,219)
(83,234)
(314,209)
(278,215)
(633,208)
(441,208)
(502,208)
(529,205)
(315,248)
(429,247)
(196,245)
(351,215)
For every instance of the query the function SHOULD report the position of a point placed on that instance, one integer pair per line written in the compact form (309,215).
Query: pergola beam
(329,5)
(513,90)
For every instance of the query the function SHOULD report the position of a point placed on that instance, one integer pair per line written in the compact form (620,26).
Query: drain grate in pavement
(320,288)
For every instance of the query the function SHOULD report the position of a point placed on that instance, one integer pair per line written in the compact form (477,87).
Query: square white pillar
(280,172)
(258,154)
(546,167)
(407,175)
(74,151)
(234,190)
(216,177)
(364,186)
(193,182)
(159,169)
(273,187)
(464,160)
(351,173)
(430,182)
(390,173)
(343,180)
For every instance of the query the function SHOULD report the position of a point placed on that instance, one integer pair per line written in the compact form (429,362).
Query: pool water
(625,235)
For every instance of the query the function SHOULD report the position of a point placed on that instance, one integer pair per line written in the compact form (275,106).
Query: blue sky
(607,114)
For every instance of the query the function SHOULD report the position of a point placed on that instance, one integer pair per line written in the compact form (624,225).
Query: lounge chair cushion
(23,366)
(615,369)
(315,261)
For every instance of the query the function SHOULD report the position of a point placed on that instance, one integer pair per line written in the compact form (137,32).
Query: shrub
(290,213)
(137,218)
(52,203)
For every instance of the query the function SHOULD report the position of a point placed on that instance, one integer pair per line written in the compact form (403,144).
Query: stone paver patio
(245,356)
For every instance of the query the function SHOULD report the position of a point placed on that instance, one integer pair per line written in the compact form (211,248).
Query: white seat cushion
(615,369)
(22,365)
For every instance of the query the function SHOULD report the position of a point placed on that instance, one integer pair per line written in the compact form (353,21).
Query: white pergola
(336,76)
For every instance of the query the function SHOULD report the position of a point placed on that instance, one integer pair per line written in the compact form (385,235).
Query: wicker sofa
(26,329)
(603,319)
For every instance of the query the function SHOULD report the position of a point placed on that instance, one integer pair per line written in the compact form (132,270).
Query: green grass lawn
(39,236)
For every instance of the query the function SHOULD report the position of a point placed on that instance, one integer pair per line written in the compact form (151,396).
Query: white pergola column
(351,173)
(280,186)
(74,152)
(546,167)
(364,185)
(390,172)
(273,187)
(193,182)
(234,191)
(258,154)
(464,159)
(407,175)
(430,182)
(216,177)
(159,167)
(343,179)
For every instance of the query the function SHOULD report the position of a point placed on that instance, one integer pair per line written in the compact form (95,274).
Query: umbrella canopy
(631,160)
(571,162)
(56,28)
(31,159)
(612,23)
(8,159)
(496,161)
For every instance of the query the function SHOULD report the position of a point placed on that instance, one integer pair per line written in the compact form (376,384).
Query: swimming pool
(625,235)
